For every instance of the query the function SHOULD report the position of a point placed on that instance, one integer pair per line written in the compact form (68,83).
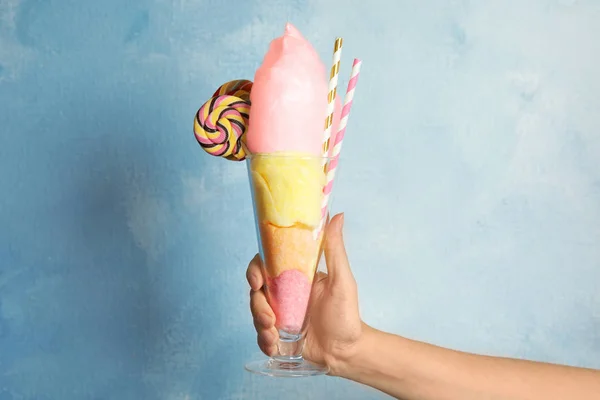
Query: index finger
(254,274)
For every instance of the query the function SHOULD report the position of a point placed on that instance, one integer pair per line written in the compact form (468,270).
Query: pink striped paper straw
(337,146)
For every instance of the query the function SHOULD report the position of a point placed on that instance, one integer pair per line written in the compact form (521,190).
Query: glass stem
(289,347)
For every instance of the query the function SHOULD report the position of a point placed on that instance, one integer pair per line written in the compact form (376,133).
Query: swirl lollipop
(220,124)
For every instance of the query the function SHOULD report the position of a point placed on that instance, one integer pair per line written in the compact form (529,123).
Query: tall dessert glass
(287,197)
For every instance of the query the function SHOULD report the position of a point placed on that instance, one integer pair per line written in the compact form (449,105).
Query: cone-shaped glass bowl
(289,209)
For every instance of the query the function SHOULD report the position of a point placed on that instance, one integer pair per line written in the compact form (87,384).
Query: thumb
(338,267)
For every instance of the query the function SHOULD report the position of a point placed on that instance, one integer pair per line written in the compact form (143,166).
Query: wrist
(378,359)
(346,362)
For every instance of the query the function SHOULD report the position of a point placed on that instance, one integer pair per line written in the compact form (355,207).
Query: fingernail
(341,222)
(272,351)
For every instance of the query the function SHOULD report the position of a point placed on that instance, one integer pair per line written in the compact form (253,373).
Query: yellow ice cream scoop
(288,190)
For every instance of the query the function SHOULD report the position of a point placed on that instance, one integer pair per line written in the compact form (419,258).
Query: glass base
(294,368)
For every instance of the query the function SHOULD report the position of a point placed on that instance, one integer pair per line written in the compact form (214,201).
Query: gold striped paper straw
(333,81)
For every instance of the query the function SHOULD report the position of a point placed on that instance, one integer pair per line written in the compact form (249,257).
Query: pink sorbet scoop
(289,98)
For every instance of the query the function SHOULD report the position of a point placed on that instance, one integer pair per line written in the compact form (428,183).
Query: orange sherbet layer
(289,248)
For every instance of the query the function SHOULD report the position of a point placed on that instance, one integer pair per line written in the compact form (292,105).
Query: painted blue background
(470,182)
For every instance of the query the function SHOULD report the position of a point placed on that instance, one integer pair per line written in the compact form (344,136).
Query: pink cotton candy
(289,294)
(289,98)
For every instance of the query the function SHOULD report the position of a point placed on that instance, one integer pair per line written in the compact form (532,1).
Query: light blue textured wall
(470,182)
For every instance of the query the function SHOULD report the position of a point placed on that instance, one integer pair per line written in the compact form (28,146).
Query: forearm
(413,370)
